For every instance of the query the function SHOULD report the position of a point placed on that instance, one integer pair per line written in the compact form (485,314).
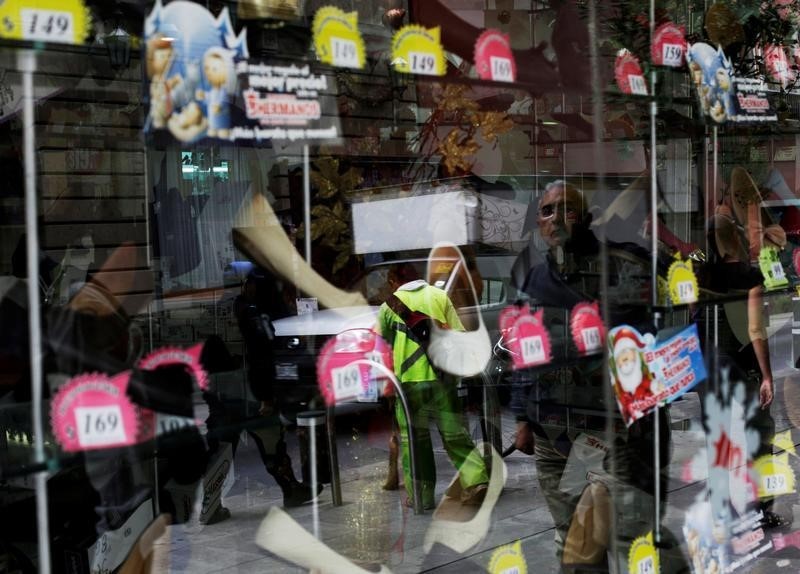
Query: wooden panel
(91,209)
(58,236)
(65,186)
(91,161)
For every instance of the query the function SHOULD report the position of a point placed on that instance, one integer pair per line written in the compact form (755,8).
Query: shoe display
(285,538)
(461,523)
(460,353)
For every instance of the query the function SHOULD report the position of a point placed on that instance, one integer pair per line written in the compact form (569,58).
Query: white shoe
(460,353)
(461,535)
(285,538)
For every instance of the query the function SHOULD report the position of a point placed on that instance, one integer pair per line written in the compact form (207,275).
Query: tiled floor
(373,526)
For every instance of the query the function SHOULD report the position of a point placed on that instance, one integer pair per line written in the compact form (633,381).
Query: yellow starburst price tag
(59,21)
(775,475)
(682,282)
(337,39)
(642,557)
(418,50)
(508,559)
(783,440)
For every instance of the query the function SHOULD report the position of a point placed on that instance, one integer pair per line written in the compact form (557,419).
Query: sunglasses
(548,211)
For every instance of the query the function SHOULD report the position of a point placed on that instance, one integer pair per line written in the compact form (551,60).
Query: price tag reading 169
(346,382)
(501,69)
(99,426)
(422,63)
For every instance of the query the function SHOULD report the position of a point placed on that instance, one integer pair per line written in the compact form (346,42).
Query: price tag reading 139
(63,22)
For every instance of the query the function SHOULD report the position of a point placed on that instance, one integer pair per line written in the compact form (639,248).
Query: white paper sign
(777,271)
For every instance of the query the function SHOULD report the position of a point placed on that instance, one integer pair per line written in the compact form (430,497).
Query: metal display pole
(654,279)
(26,59)
(412,445)
(307,203)
(333,455)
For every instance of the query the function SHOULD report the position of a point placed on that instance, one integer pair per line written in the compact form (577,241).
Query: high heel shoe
(285,538)
(460,353)
(456,522)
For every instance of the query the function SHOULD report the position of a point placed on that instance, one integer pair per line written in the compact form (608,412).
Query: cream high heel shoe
(259,234)
(460,353)
(461,527)
(285,538)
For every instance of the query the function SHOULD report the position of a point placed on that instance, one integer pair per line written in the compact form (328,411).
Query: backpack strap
(410,320)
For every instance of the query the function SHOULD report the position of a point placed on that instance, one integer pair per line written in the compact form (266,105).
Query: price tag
(99,426)
(646,566)
(532,350)
(172,423)
(672,55)
(345,53)
(777,271)
(47,25)
(423,63)
(512,570)
(501,69)
(637,85)
(591,339)
(346,382)
(686,292)
(774,483)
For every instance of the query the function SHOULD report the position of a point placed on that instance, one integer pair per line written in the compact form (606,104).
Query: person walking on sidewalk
(403,321)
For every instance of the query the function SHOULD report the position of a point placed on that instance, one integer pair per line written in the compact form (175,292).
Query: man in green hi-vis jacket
(430,396)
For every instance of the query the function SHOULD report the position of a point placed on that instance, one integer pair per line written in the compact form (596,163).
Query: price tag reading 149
(345,54)
(423,63)
(63,22)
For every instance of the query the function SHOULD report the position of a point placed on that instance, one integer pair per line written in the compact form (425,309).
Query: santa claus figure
(629,373)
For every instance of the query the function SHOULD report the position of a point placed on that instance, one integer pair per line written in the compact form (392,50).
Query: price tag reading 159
(672,55)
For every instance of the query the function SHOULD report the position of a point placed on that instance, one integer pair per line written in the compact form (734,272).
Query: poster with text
(202,84)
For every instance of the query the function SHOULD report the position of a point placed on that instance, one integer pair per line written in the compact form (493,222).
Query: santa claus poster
(646,373)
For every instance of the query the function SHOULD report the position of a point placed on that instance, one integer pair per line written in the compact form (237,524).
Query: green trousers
(438,402)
